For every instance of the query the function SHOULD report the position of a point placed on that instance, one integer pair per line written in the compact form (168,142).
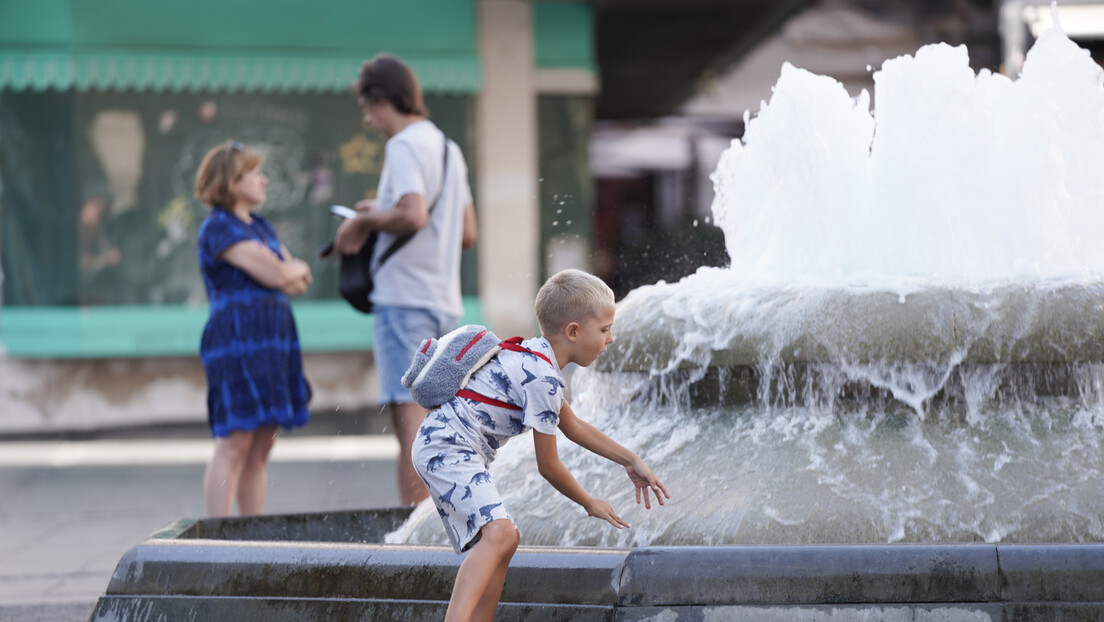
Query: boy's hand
(603,510)
(643,479)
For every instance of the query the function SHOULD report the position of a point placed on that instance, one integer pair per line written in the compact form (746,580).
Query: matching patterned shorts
(458,481)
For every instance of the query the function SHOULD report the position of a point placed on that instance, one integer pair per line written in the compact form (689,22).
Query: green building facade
(107,107)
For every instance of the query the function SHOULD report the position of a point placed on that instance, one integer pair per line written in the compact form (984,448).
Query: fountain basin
(186,572)
(668,326)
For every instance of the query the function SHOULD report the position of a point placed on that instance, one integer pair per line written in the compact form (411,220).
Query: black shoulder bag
(355,281)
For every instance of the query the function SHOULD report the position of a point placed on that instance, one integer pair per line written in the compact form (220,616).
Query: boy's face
(593,336)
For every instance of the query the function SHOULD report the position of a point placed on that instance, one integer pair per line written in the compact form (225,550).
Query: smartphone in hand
(343,212)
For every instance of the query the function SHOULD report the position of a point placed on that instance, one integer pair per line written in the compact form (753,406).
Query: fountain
(889,406)
(906,346)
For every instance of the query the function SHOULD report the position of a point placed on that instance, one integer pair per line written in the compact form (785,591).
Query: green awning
(565,35)
(232,45)
(143,70)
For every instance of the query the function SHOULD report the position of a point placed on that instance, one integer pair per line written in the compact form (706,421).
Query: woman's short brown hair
(222,167)
(386,78)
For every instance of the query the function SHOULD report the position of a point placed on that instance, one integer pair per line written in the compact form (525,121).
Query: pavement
(72,505)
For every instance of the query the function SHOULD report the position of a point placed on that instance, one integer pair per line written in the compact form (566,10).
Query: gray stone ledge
(958,612)
(175,575)
(1052,572)
(786,575)
(133,608)
(312,570)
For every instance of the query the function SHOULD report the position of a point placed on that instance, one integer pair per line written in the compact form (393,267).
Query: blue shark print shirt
(518,378)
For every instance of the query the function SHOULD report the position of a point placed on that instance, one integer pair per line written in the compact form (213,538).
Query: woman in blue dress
(250,347)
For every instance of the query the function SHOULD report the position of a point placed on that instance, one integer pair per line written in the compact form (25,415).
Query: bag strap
(479,397)
(401,241)
(513,344)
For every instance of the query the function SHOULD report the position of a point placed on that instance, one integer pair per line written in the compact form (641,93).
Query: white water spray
(957,179)
(969,188)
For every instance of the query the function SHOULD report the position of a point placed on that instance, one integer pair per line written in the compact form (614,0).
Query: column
(506,154)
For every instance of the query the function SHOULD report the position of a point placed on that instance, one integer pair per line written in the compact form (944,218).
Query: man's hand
(599,508)
(643,479)
(351,236)
(367,205)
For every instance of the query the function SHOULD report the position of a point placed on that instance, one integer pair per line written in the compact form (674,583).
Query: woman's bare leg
(220,480)
(254,475)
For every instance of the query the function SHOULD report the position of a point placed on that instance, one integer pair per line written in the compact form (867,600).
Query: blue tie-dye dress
(250,347)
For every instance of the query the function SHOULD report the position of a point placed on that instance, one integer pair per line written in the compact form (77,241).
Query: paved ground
(69,509)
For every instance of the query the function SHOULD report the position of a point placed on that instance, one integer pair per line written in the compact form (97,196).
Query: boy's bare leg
(406,418)
(479,582)
(488,602)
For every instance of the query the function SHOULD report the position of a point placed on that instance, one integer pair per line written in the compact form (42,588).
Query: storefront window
(96,188)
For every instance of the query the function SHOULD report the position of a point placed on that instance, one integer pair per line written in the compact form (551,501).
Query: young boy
(457,442)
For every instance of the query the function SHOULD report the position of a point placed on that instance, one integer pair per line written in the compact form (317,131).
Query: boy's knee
(502,535)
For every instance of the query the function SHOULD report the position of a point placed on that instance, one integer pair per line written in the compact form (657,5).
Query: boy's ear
(572,331)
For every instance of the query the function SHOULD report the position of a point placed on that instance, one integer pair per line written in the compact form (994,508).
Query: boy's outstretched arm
(553,470)
(593,440)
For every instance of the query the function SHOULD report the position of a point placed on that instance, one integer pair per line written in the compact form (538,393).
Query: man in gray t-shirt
(417,291)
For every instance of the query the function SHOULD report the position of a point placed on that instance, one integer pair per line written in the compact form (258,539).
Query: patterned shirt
(519,378)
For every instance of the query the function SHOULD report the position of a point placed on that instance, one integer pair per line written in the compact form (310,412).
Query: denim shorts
(399,332)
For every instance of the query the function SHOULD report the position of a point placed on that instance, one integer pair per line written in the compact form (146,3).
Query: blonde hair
(571,296)
(222,167)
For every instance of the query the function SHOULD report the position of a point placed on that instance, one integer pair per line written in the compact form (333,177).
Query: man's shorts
(458,482)
(399,332)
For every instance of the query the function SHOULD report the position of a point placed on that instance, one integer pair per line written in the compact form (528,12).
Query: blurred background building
(590,128)
(106,109)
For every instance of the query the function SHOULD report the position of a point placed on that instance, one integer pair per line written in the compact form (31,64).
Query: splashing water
(972,188)
(964,179)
